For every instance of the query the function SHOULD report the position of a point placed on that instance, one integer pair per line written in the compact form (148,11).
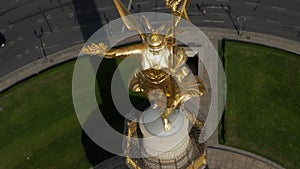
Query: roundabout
(230,157)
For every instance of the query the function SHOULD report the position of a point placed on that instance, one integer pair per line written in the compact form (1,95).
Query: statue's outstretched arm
(100,49)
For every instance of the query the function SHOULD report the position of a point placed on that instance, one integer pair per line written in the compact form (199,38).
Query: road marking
(219,14)
(53,46)
(214,7)
(56,29)
(79,26)
(27,51)
(11,43)
(160,7)
(40,20)
(248,17)
(297,27)
(20,38)
(251,3)
(47,34)
(144,2)
(279,8)
(76,27)
(212,21)
(272,21)
(103,8)
(71,15)
(287,27)
(49,16)
(78,41)
(11,26)
(18,56)
(222,0)
(195,14)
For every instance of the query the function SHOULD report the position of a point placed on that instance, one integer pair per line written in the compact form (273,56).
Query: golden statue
(162,61)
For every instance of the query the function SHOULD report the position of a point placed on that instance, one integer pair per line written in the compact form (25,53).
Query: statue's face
(155,42)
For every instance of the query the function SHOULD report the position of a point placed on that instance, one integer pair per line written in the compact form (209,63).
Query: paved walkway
(215,34)
(219,157)
(224,157)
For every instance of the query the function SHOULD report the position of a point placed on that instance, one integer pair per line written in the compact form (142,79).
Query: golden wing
(179,7)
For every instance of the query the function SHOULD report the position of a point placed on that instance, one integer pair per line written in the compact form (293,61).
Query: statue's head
(155,42)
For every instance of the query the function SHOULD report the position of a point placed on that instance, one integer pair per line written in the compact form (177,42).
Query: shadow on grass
(107,69)
(96,154)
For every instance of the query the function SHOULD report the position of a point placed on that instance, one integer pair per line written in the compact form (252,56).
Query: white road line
(41,20)
(287,27)
(20,38)
(76,27)
(11,26)
(27,51)
(214,7)
(279,8)
(47,33)
(297,27)
(222,0)
(11,43)
(53,46)
(212,21)
(79,26)
(78,41)
(19,56)
(251,3)
(71,15)
(195,14)
(144,2)
(248,17)
(103,8)
(160,7)
(56,29)
(49,16)
(219,14)
(272,21)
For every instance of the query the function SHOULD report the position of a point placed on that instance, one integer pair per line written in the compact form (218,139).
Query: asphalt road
(69,22)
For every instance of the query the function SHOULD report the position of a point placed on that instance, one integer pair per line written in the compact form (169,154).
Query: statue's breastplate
(154,76)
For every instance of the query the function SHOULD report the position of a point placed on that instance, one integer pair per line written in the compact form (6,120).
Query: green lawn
(38,126)
(263,102)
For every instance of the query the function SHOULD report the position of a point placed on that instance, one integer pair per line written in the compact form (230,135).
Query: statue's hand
(167,124)
(99,49)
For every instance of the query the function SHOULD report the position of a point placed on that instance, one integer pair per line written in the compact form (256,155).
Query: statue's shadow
(95,153)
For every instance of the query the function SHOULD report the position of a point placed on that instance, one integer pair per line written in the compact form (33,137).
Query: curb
(35,67)
(214,34)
